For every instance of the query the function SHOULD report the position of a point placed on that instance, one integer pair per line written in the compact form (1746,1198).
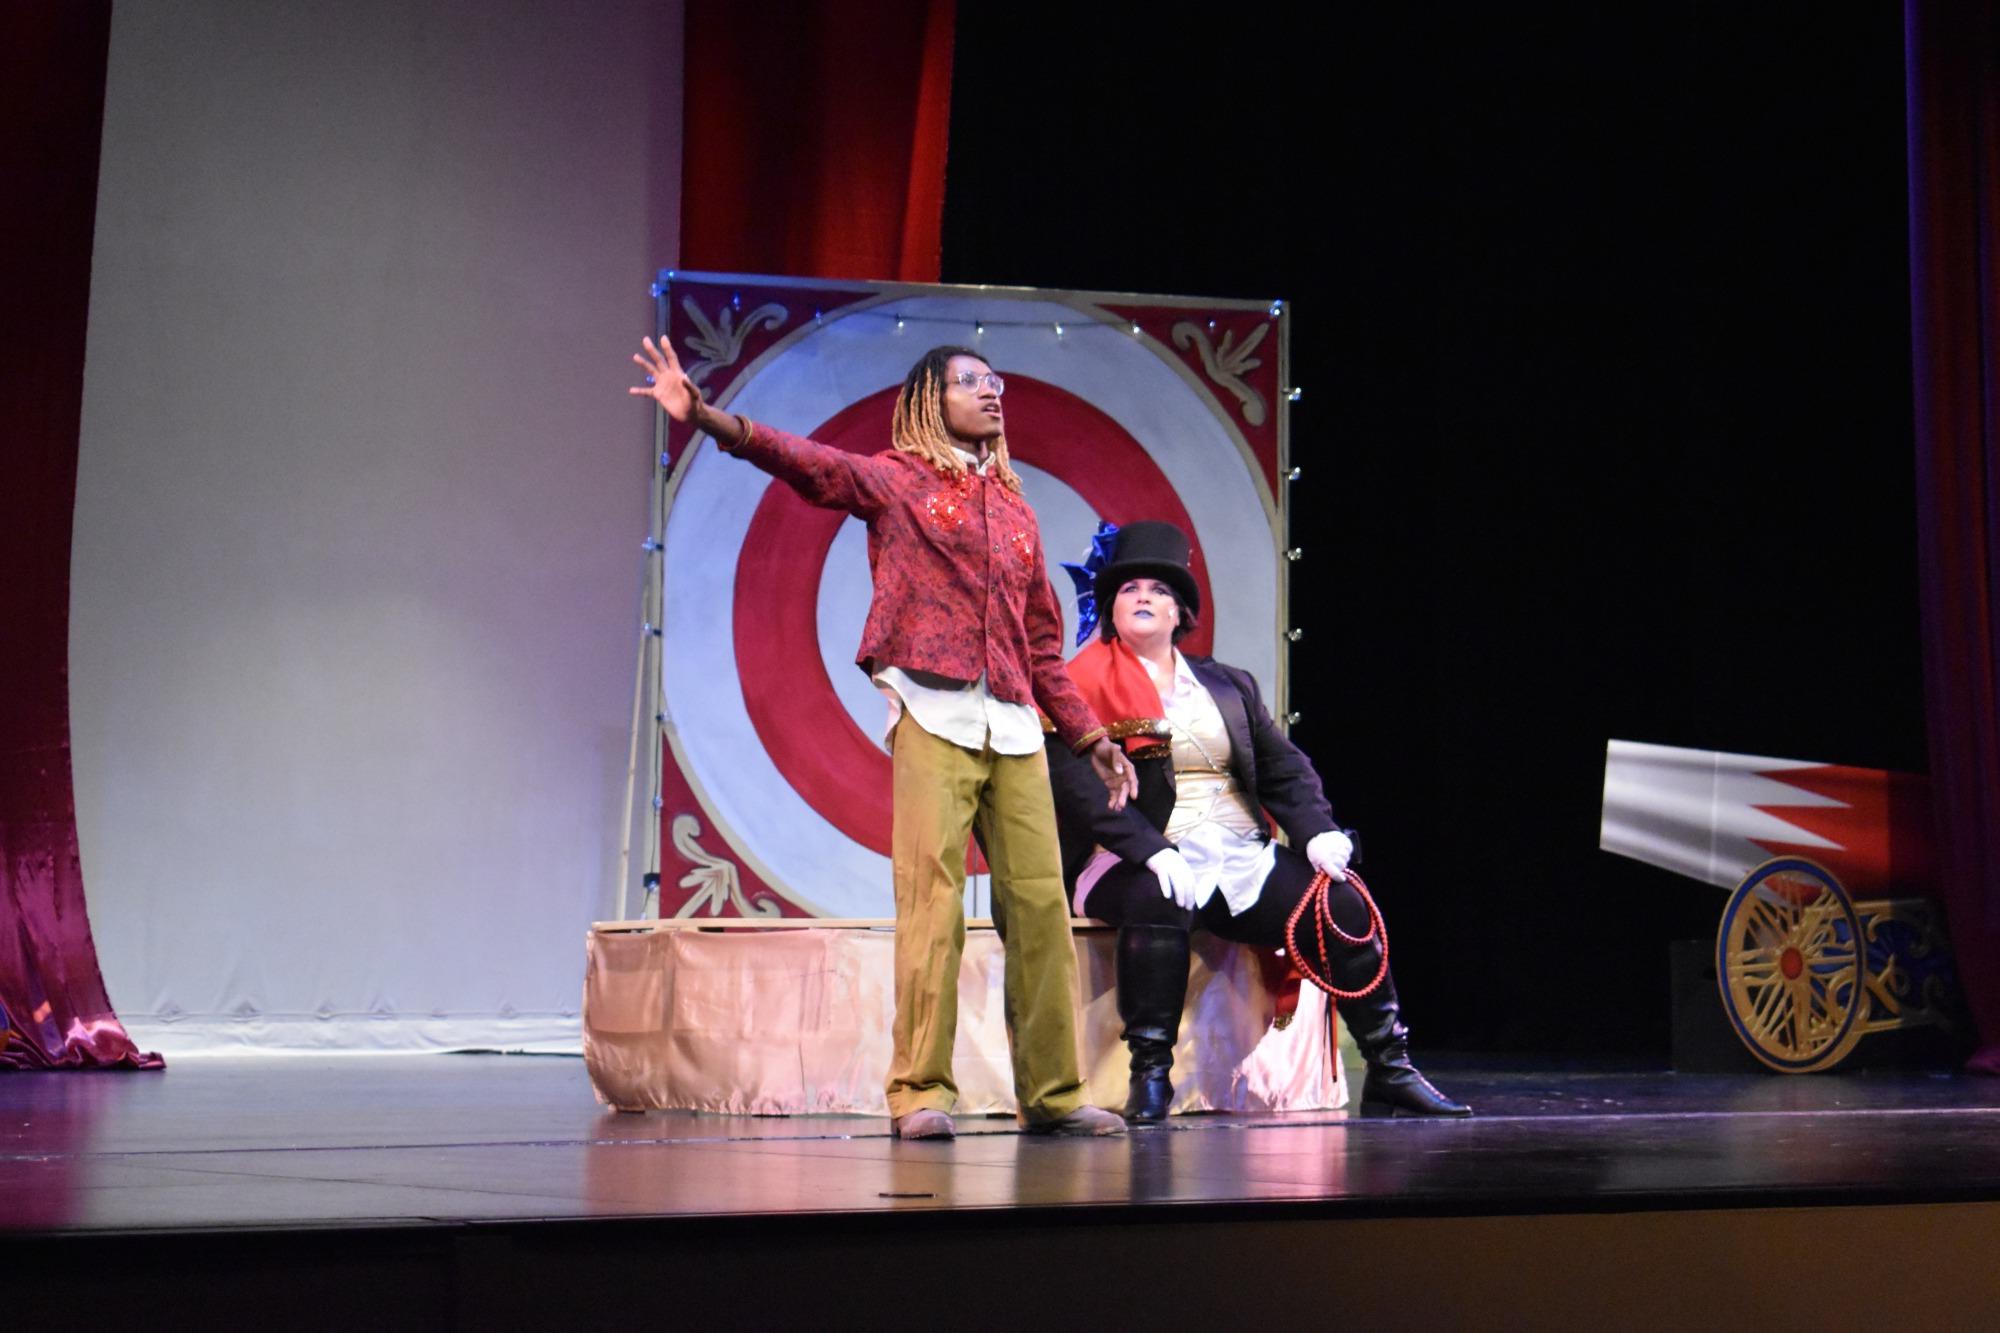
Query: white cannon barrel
(1714,817)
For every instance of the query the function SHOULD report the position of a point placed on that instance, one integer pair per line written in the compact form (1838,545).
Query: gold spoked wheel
(1790,960)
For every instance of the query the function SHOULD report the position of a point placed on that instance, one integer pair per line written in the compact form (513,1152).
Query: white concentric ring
(767,823)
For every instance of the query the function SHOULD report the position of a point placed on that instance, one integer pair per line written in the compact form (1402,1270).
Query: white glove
(1176,876)
(1330,852)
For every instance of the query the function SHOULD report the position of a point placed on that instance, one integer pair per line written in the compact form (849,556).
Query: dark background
(1602,317)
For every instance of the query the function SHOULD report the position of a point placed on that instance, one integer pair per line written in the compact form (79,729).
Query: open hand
(665,383)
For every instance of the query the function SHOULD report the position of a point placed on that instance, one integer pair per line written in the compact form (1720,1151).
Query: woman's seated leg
(1152,980)
(1395,1086)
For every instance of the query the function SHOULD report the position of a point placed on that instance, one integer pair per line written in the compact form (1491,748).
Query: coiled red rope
(1319,901)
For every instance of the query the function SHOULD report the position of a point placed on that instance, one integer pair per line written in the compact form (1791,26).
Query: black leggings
(1129,895)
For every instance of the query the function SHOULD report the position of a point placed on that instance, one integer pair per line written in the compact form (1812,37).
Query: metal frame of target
(757,735)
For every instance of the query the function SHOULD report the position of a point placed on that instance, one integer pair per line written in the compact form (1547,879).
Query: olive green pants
(940,790)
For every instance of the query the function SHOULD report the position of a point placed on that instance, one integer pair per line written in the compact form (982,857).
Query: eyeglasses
(972,379)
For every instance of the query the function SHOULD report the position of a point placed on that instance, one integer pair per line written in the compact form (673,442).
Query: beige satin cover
(796,1022)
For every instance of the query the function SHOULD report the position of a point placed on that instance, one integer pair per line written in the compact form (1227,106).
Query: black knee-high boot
(1394,1087)
(1152,986)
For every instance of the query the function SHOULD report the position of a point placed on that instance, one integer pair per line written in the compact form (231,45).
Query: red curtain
(815,138)
(53,1009)
(1953,81)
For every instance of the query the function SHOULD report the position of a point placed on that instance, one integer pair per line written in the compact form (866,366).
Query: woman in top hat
(1194,849)
(964,642)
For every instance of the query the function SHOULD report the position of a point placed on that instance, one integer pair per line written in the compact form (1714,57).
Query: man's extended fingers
(665,351)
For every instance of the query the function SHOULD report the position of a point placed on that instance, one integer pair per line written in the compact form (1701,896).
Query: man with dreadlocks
(964,637)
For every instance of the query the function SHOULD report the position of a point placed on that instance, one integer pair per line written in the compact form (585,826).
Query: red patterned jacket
(960,585)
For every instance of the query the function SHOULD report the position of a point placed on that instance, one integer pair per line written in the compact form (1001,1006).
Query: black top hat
(1147,550)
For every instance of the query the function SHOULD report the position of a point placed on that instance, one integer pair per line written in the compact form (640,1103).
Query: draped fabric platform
(796,1021)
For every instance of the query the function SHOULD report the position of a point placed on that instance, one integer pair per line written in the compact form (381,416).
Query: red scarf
(1119,689)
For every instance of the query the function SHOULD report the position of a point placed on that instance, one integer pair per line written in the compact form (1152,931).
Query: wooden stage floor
(377,1147)
(222,1142)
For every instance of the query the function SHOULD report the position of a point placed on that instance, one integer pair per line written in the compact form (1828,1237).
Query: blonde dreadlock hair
(918,426)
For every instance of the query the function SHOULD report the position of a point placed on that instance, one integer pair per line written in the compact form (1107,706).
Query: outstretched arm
(822,475)
(678,396)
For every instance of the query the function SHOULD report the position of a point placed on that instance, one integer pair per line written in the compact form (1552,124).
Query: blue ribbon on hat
(1085,577)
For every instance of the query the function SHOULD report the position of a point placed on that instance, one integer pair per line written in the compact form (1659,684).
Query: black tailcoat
(1273,773)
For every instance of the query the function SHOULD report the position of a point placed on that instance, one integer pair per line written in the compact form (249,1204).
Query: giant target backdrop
(774,792)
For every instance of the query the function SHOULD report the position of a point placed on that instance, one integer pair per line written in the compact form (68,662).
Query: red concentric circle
(836,769)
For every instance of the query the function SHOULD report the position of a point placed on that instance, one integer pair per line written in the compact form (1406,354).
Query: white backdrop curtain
(356,562)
